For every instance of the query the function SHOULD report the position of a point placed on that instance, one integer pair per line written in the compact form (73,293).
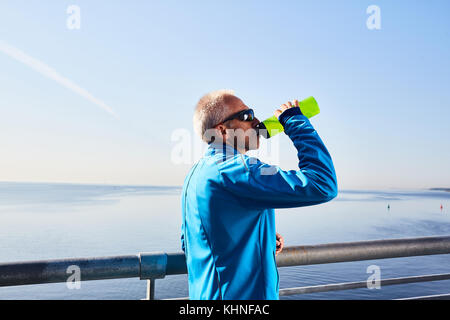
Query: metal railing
(157,265)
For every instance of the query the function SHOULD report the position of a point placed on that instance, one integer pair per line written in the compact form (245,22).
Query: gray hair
(211,110)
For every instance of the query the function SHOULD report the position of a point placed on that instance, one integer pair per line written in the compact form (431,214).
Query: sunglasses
(244,115)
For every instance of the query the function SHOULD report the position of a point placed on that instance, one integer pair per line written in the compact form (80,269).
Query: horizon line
(180,186)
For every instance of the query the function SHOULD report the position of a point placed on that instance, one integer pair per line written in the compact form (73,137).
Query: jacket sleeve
(263,186)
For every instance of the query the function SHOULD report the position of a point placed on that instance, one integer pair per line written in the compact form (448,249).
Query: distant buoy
(389,207)
(442,207)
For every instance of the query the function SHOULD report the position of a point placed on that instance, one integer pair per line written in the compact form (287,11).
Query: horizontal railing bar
(433,297)
(353,285)
(176,264)
(57,270)
(158,265)
(363,250)
(362,284)
(347,252)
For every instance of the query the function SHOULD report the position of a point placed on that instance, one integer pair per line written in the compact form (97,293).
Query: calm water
(46,221)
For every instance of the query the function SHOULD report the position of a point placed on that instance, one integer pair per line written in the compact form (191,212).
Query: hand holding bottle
(286,106)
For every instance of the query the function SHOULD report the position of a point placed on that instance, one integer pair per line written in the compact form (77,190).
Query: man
(228,199)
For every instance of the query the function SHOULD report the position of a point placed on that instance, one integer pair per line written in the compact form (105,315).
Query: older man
(228,199)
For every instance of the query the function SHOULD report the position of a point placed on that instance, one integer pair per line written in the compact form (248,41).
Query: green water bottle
(272,126)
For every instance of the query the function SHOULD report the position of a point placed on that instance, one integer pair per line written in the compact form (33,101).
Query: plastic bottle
(271,126)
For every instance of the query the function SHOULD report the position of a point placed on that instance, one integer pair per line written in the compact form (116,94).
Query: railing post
(150,289)
(152,266)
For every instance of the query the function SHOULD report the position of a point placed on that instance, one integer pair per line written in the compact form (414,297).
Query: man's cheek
(252,139)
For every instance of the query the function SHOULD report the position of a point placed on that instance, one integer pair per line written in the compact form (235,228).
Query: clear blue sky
(384,94)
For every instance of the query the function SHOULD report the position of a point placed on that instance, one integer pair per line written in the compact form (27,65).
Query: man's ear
(216,134)
(222,129)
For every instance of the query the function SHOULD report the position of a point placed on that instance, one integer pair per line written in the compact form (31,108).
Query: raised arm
(266,186)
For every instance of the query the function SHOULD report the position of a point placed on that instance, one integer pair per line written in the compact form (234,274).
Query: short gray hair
(211,110)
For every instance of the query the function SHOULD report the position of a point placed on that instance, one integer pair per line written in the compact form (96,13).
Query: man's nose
(255,122)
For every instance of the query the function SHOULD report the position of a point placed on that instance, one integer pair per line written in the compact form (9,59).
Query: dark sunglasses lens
(247,116)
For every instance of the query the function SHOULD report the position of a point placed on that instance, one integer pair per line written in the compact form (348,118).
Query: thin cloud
(47,71)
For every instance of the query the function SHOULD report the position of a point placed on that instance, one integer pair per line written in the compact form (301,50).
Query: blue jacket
(228,217)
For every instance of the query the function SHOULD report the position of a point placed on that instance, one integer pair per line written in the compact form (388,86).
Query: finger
(296,103)
(290,104)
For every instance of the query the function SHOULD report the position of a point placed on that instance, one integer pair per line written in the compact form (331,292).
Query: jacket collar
(224,148)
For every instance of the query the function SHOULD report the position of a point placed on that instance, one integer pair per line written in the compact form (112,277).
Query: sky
(104,103)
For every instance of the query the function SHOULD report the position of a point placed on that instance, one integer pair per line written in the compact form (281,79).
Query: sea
(55,220)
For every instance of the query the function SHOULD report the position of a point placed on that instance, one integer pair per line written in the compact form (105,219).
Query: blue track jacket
(228,218)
